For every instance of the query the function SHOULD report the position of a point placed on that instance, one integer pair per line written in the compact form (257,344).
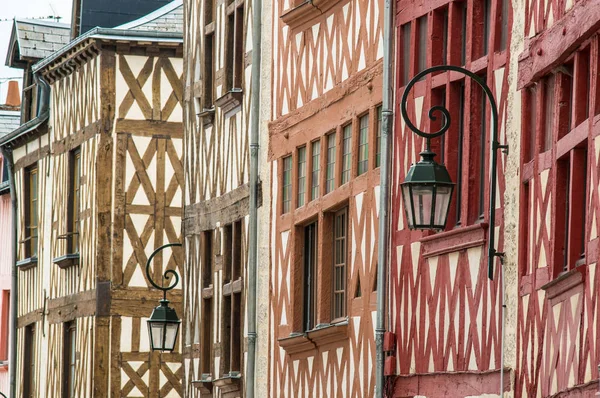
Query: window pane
(406,59)
(339,264)
(422,55)
(379,129)
(316,160)
(549,111)
(287,183)
(330,182)
(363,146)
(347,154)
(301,175)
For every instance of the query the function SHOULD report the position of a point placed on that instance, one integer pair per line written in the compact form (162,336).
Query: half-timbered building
(445,312)
(325,156)
(558,307)
(217,118)
(98,174)
(540,58)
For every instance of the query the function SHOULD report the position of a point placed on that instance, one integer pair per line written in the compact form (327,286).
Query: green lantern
(427,192)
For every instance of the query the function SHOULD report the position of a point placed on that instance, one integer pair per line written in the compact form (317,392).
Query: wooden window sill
(304,13)
(27,263)
(66,261)
(207,116)
(565,281)
(230,100)
(233,287)
(230,384)
(204,385)
(452,241)
(321,335)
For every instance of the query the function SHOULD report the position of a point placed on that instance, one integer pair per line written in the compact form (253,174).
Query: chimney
(12,97)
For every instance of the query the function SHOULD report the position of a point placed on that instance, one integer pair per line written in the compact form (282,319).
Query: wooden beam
(67,308)
(147,128)
(553,46)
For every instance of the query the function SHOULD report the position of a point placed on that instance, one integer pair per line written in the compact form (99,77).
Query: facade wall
(216,201)
(326,92)
(129,137)
(557,350)
(446,313)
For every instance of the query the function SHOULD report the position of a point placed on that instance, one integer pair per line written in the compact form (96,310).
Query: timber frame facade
(99,183)
(324,156)
(217,81)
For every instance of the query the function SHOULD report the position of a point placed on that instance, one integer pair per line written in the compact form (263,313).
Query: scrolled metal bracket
(492,253)
(167,274)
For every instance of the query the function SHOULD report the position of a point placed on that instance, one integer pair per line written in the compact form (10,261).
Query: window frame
(31,211)
(74,202)
(69,358)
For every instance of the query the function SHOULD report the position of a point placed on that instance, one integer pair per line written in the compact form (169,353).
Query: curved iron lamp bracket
(167,273)
(492,253)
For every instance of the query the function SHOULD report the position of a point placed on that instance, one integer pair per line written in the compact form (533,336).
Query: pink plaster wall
(5,270)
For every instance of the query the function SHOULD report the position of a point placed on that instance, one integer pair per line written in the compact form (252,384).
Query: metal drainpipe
(253,227)
(12,362)
(383,244)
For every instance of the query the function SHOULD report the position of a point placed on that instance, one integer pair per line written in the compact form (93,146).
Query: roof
(34,40)
(163,25)
(168,18)
(9,121)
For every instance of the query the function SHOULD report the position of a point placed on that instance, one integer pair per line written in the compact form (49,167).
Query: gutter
(383,244)
(254,191)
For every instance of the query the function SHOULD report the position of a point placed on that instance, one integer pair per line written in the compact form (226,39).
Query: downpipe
(383,243)
(253,217)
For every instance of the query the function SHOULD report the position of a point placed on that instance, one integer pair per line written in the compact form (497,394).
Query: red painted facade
(445,313)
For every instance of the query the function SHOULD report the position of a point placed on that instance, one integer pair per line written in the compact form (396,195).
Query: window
(4,321)
(503,42)
(209,52)
(287,184)
(347,154)
(232,297)
(316,160)
(422,50)
(69,359)
(301,175)
(207,302)
(340,252)
(74,199)
(29,358)
(330,177)
(31,211)
(548,111)
(487,11)
(378,140)
(363,145)
(310,272)
(234,59)
(482,153)
(463,40)
(531,98)
(4,177)
(406,58)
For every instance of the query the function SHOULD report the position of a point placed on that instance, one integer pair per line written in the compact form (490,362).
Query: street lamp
(163,325)
(427,189)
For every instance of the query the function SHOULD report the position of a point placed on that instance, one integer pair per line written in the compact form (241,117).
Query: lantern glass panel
(157,334)
(422,196)
(442,203)
(171,336)
(408,205)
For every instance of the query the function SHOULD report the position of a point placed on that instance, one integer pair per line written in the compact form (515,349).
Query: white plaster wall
(511,195)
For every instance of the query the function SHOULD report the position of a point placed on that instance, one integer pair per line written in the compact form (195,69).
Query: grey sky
(22,9)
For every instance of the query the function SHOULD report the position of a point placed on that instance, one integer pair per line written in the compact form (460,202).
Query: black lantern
(163,325)
(427,191)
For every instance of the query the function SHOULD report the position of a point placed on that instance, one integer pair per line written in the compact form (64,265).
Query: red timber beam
(553,46)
